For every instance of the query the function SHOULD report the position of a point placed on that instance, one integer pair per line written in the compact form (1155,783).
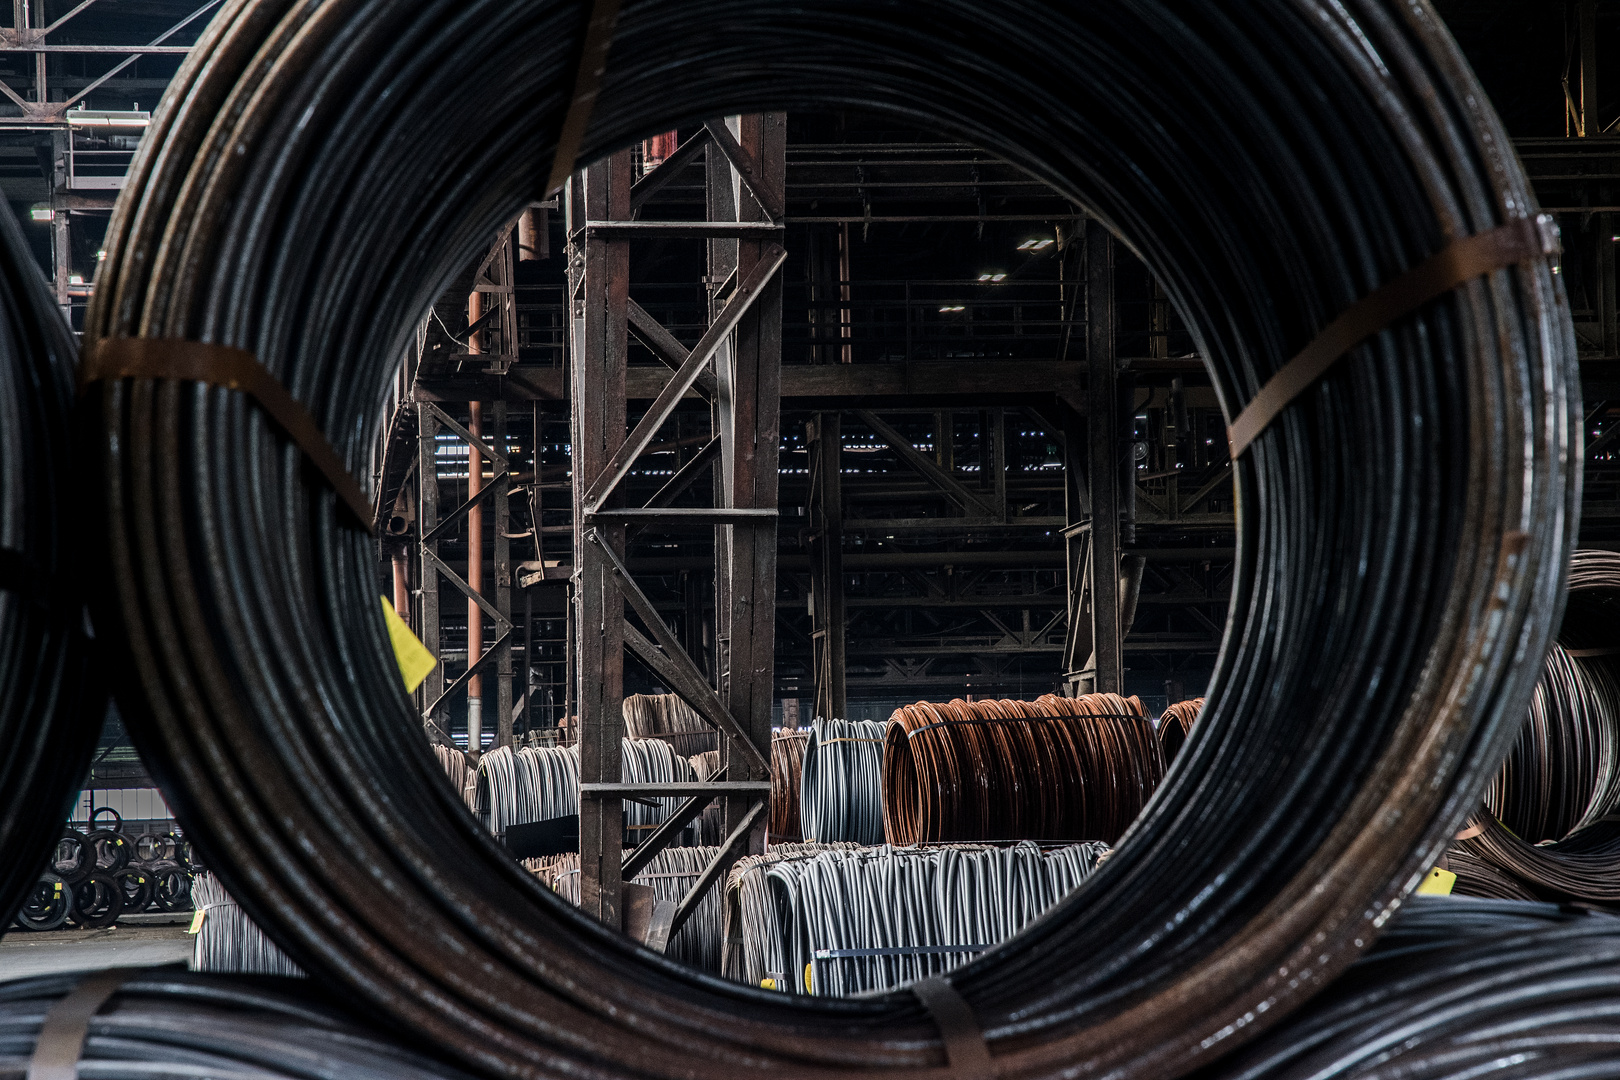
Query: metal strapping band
(593,54)
(1470,832)
(61,1037)
(965,1051)
(1457,263)
(1609,651)
(233,369)
(846,738)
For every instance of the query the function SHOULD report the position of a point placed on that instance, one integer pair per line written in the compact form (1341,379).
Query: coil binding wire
(227,941)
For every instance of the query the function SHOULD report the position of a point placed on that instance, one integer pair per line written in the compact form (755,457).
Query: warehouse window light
(42,213)
(1036,245)
(75,279)
(952,307)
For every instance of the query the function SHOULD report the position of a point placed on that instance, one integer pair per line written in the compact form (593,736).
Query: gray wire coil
(671,873)
(841,790)
(227,941)
(837,921)
(539,783)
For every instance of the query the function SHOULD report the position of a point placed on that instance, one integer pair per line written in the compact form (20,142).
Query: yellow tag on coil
(197,920)
(1437,882)
(415,662)
(767,984)
(807,968)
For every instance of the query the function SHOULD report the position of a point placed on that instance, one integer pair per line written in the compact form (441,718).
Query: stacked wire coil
(1175,724)
(845,922)
(541,783)
(1550,823)
(1055,769)
(787,777)
(462,777)
(841,783)
(1385,578)
(163,1023)
(227,941)
(668,718)
(671,873)
(710,827)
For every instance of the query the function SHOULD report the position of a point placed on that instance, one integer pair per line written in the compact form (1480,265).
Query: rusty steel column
(475,580)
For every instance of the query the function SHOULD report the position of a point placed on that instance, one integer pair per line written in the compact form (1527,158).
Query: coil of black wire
(167,1023)
(47,714)
(1459,987)
(312,162)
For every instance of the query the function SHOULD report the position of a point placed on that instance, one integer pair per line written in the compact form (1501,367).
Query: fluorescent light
(998,277)
(984,277)
(42,213)
(101,256)
(1037,245)
(75,279)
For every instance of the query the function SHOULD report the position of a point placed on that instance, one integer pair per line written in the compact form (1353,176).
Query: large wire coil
(1176,724)
(167,1023)
(1054,769)
(540,783)
(668,718)
(671,873)
(48,714)
(787,776)
(841,782)
(1403,527)
(1459,988)
(227,941)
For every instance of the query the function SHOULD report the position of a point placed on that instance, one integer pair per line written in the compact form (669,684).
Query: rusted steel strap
(1610,650)
(593,56)
(233,369)
(67,1024)
(1458,262)
(966,1053)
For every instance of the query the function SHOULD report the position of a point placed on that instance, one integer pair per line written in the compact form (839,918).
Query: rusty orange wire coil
(1175,724)
(1054,769)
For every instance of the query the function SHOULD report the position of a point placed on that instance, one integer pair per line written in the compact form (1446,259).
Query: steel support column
(600,283)
(1103,446)
(825,541)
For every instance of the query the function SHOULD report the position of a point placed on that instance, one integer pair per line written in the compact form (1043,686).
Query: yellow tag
(1437,882)
(414,660)
(807,968)
(767,984)
(197,920)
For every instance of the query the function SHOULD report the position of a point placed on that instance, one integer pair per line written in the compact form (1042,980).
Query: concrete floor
(23,954)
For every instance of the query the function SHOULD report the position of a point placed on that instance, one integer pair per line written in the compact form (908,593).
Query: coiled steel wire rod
(1404,525)
(1055,769)
(532,783)
(226,940)
(163,1023)
(1456,988)
(841,782)
(787,775)
(1175,724)
(48,716)
(670,874)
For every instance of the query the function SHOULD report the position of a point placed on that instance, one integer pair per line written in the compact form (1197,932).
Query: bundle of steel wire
(1055,769)
(787,774)
(668,718)
(227,941)
(846,922)
(164,1023)
(754,947)
(710,827)
(1459,988)
(48,715)
(1548,827)
(1175,724)
(1403,524)
(462,778)
(672,872)
(1564,772)
(540,783)
(841,782)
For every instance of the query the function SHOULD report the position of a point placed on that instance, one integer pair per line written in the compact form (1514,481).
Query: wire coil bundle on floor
(1385,580)
(47,714)
(1458,988)
(172,1024)
(1548,827)
(1175,724)
(787,777)
(668,718)
(227,941)
(1054,769)
(710,827)
(671,873)
(847,922)
(841,782)
(755,952)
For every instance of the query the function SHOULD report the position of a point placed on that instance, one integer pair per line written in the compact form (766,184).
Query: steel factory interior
(619,538)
